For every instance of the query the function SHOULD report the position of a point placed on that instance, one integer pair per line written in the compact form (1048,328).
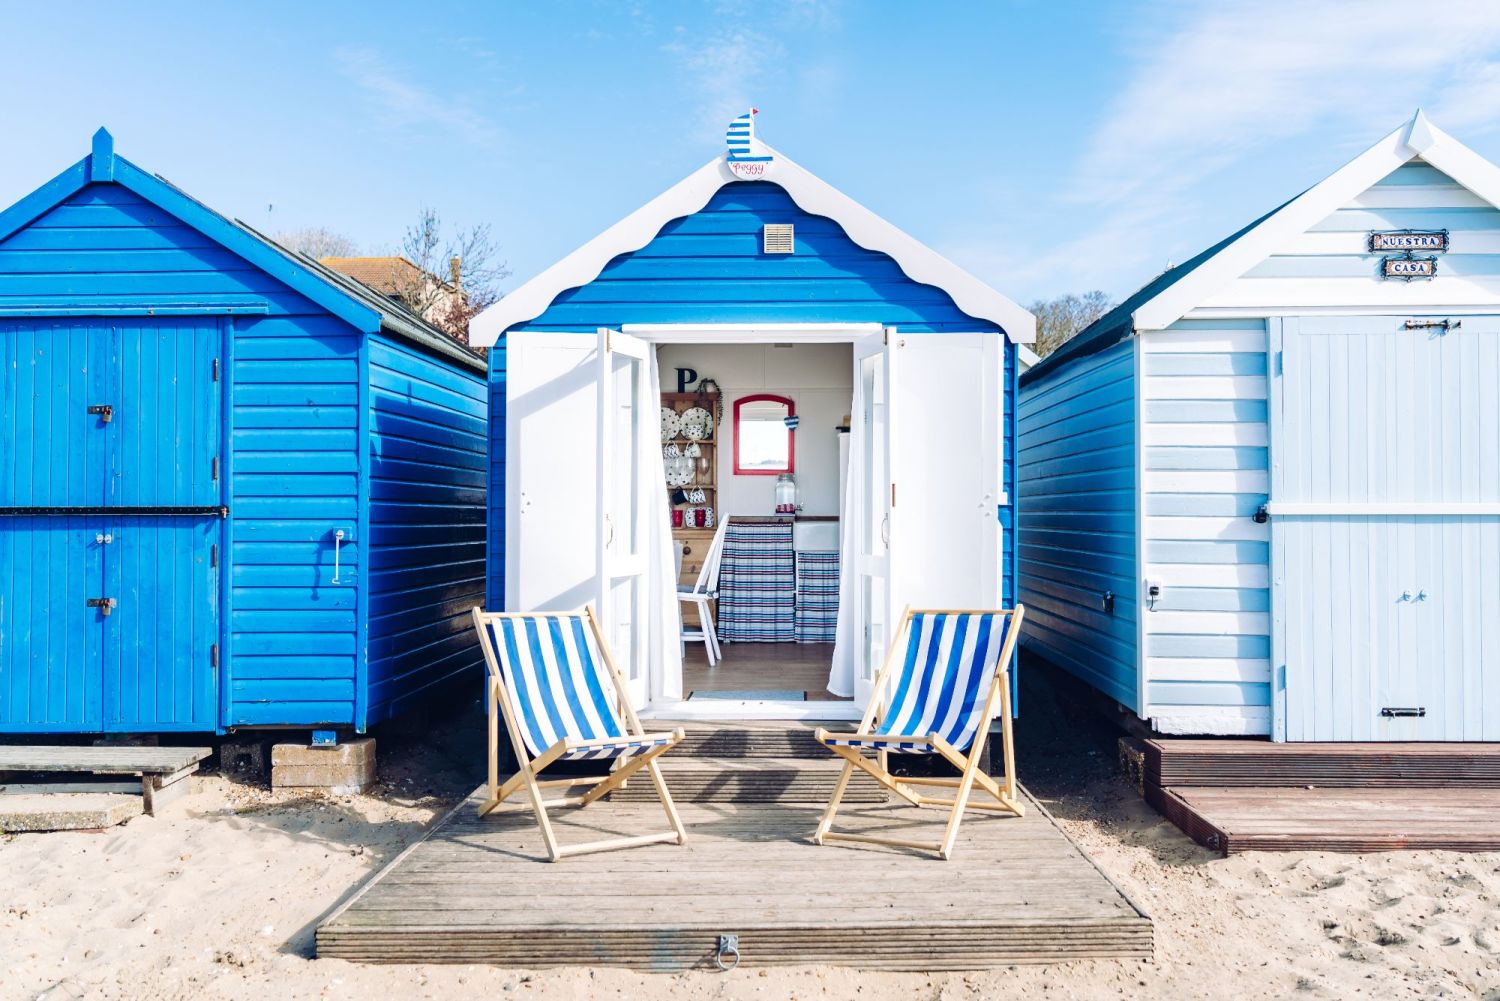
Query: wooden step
(750,739)
(163,771)
(753,780)
(1249,763)
(1230,820)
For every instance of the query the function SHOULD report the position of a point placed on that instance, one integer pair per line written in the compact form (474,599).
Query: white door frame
(753,333)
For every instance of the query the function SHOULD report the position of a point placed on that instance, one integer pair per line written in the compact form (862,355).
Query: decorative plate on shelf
(671,424)
(696,423)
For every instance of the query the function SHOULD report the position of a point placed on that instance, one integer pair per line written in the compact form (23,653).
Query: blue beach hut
(803,307)
(236,488)
(1262,496)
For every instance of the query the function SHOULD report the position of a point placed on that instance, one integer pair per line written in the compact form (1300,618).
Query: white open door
(929,482)
(551,471)
(624,411)
(945,470)
(873,614)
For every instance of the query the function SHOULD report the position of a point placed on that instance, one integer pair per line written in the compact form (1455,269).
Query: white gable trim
(1418,137)
(813,195)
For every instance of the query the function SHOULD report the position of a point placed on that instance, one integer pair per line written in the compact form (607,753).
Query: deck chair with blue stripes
(553,681)
(944,678)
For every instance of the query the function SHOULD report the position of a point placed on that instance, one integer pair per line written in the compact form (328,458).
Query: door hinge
(213,656)
(213,555)
(216,370)
(104,411)
(215,465)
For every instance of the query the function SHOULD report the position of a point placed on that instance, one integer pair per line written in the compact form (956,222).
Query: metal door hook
(729,945)
(338,542)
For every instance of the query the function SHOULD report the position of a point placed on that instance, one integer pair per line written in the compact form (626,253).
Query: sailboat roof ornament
(745,155)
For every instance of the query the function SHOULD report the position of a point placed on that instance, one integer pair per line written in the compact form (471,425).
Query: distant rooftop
(386,275)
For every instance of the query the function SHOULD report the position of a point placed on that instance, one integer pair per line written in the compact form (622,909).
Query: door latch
(104,411)
(105,605)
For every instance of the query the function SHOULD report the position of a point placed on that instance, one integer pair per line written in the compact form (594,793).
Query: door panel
(873,611)
(553,528)
(50,640)
(159,640)
(1385,529)
(624,409)
(165,432)
(52,453)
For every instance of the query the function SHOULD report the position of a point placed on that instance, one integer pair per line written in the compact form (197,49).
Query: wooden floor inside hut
(480,891)
(762,667)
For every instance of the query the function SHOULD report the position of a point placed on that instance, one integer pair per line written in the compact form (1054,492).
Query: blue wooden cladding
(708,267)
(259,406)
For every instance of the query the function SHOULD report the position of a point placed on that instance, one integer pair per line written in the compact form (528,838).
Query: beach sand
(220,897)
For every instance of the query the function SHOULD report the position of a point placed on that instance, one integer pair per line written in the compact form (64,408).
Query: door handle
(885,530)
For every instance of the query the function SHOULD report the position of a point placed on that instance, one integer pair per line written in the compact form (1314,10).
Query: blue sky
(1047,147)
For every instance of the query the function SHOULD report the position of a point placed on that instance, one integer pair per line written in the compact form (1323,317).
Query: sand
(219,899)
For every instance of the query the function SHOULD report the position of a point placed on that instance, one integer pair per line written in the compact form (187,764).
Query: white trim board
(750,333)
(1342,509)
(733,709)
(812,194)
(1418,137)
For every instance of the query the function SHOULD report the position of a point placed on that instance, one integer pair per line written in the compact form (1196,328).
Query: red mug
(676,519)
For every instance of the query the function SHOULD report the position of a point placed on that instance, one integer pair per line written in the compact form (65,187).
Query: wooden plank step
(752,780)
(749,739)
(99,760)
(1177,763)
(750,871)
(68,811)
(1236,819)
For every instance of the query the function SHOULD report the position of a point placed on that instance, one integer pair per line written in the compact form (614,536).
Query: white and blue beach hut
(769,280)
(1262,496)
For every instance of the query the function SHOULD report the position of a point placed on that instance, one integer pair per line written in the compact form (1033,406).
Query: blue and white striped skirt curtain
(817,595)
(757,583)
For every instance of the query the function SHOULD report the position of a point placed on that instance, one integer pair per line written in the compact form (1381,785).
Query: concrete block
(348,767)
(66,811)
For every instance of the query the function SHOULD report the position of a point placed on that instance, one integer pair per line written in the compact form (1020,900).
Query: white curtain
(846,646)
(664,641)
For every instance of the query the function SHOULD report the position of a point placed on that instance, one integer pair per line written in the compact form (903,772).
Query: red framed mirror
(765,436)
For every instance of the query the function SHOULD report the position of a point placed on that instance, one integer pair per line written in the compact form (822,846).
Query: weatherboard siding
(426,526)
(1076,455)
(1331,263)
(708,268)
(1205,473)
(295,482)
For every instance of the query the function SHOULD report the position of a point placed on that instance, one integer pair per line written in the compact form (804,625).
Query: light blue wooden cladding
(245,380)
(1319,494)
(1076,467)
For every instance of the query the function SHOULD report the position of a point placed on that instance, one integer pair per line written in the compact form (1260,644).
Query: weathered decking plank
(477,890)
(99,760)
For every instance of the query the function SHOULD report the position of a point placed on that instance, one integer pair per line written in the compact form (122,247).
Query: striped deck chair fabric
(943,677)
(553,687)
(558,686)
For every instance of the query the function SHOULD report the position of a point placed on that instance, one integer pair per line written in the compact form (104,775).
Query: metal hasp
(1392,712)
(729,945)
(105,605)
(104,411)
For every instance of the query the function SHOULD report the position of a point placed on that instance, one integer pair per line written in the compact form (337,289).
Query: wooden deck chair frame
(528,769)
(1004,793)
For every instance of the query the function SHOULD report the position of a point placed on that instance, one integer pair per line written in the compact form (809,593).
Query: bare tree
(317,242)
(1057,320)
(454,276)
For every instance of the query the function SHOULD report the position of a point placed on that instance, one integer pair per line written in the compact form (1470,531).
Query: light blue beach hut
(236,488)
(1262,496)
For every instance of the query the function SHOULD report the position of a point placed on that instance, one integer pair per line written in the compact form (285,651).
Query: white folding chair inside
(702,591)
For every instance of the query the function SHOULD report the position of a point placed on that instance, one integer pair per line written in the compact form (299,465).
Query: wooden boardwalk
(480,891)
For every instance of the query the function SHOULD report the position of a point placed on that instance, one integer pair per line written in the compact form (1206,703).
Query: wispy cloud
(403,104)
(1233,80)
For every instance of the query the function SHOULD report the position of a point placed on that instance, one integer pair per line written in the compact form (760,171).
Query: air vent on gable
(778,238)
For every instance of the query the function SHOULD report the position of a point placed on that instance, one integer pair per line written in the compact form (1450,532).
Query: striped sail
(740,140)
(942,680)
(558,685)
